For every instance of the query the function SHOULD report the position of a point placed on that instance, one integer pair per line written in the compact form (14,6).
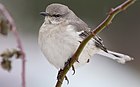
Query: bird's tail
(120,58)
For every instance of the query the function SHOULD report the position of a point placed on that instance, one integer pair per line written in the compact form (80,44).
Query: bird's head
(57,13)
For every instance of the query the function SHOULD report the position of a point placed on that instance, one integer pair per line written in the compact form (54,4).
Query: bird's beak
(44,13)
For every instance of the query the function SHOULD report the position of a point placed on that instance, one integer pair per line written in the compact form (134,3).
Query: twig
(13,28)
(99,28)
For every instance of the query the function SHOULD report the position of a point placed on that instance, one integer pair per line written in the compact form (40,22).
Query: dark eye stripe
(56,15)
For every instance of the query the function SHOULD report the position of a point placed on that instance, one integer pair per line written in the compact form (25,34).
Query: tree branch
(99,28)
(10,24)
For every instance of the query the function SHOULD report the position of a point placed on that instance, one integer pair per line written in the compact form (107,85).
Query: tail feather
(120,58)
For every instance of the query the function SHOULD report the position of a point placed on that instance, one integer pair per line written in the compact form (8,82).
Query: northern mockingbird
(61,34)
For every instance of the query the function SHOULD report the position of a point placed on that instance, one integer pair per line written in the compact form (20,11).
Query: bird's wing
(83,31)
(98,41)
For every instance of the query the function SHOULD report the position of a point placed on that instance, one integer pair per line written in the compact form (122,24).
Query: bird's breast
(58,43)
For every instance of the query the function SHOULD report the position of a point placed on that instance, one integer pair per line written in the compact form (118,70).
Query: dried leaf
(6,58)
(4,25)
(17,53)
(6,64)
(7,54)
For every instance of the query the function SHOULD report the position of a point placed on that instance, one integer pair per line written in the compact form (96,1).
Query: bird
(61,34)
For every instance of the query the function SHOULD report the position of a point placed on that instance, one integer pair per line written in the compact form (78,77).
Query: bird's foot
(68,64)
(59,76)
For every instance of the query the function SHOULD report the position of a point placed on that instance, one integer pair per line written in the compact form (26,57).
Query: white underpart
(58,44)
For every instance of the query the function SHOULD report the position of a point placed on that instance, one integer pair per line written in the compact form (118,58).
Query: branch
(105,23)
(8,22)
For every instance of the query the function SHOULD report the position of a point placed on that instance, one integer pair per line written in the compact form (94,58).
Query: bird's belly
(58,48)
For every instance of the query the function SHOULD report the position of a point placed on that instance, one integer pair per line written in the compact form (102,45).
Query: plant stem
(13,28)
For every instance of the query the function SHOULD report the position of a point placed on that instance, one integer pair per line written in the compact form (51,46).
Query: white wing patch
(72,28)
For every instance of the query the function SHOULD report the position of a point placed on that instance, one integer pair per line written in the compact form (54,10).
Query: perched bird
(61,34)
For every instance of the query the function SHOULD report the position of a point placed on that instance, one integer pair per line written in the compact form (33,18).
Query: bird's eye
(56,15)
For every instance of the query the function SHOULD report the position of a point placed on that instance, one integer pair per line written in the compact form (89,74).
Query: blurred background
(123,35)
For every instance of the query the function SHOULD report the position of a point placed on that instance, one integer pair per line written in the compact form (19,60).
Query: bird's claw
(88,61)
(73,69)
(66,78)
(59,75)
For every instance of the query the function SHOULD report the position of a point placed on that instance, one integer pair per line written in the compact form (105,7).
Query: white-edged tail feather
(120,58)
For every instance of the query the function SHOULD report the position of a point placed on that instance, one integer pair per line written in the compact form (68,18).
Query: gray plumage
(61,33)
